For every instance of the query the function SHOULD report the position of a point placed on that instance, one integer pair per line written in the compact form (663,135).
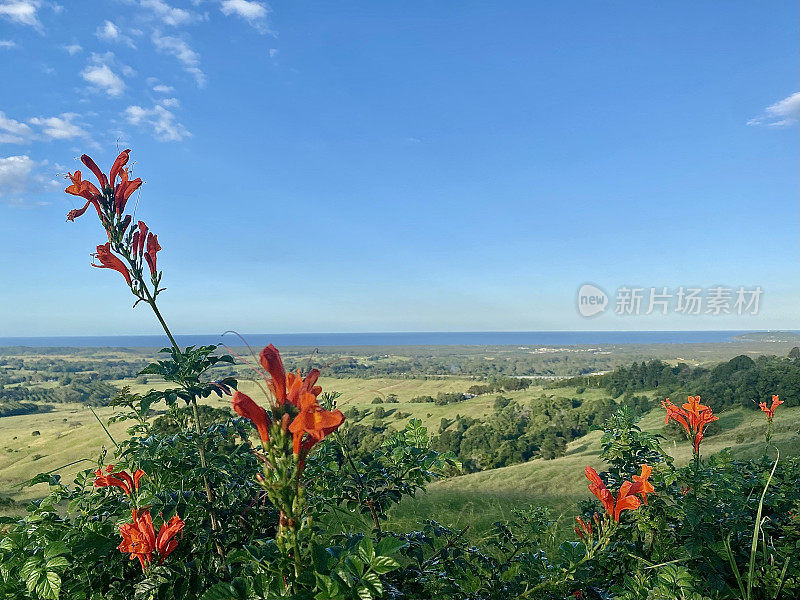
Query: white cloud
(99,74)
(170,15)
(61,127)
(170,102)
(22,12)
(73,49)
(102,76)
(22,176)
(273,52)
(251,11)
(108,32)
(781,114)
(178,48)
(13,132)
(8,44)
(163,89)
(161,120)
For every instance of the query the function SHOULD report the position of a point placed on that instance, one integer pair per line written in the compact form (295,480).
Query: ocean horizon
(422,338)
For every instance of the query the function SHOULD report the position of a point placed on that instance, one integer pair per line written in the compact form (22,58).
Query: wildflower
(599,489)
(108,260)
(692,416)
(245,406)
(314,422)
(585,529)
(139,238)
(120,479)
(108,186)
(287,387)
(770,412)
(101,177)
(84,189)
(626,496)
(643,479)
(150,254)
(139,538)
(165,542)
(296,406)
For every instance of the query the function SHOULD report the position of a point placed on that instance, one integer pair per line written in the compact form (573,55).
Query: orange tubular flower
(626,496)
(108,260)
(244,406)
(287,386)
(165,543)
(120,479)
(139,537)
(101,177)
(313,421)
(770,412)
(599,489)
(585,528)
(295,405)
(643,480)
(121,191)
(124,190)
(150,254)
(692,416)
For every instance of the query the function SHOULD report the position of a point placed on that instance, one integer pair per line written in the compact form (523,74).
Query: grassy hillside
(479,499)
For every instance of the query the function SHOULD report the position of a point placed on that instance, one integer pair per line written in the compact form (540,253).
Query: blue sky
(402,166)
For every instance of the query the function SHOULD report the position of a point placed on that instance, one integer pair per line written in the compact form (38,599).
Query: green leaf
(226,591)
(389,546)
(384,564)
(57,562)
(49,586)
(55,549)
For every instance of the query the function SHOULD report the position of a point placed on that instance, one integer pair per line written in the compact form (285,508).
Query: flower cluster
(121,479)
(139,537)
(627,494)
(140,540)
(692,416)
(295,410)
(134,245)
(770,411)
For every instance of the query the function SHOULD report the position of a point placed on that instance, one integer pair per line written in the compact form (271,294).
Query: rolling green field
(479,499)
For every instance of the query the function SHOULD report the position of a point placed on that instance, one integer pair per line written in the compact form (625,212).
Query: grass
(479,499)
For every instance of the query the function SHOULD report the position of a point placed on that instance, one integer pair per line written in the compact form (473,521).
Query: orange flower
(120,479)
(101,177)
(693,417)
(150,254)
(124,190)
(599,489)
(140,540)
(287,386)
(314,422)
(84,189)
(88,190)
(244,406)
(165,543)
(295,406)
(585,528)
(770,412)
(118,165)
(626,496)
(139,537)
(108,260)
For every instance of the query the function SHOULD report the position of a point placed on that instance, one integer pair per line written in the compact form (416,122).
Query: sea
(419,338)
